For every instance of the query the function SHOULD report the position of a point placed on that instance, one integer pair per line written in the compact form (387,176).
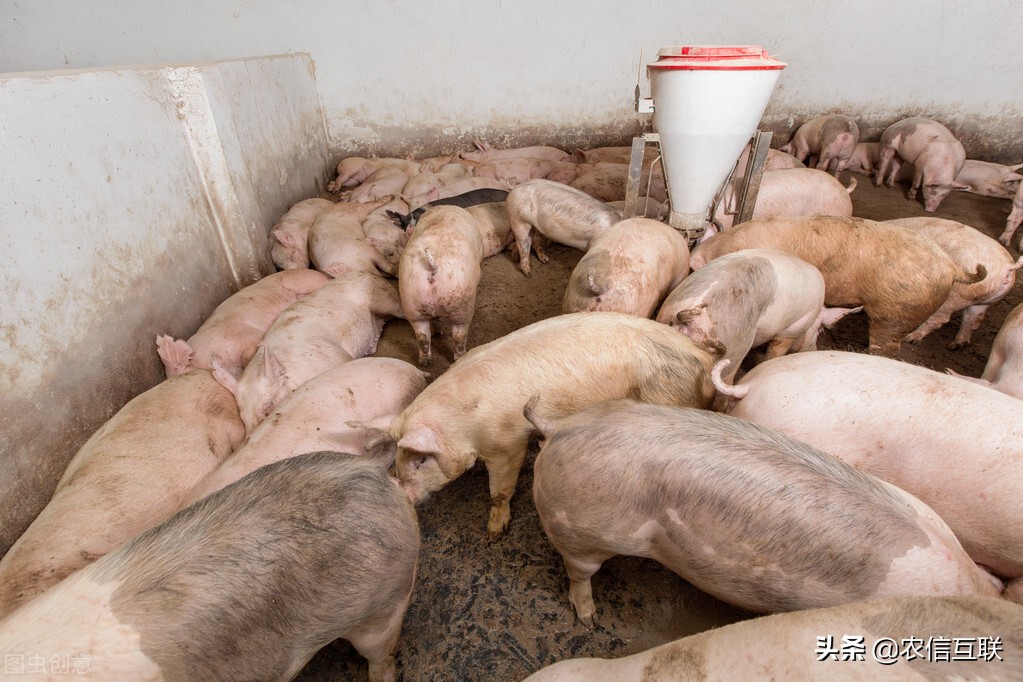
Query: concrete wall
(135,201)
(402,76)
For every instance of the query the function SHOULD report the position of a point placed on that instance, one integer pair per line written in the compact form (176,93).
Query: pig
(513,171)
(247,584)
(338,244)
(745,299)
(314,418)
(567,171)
(832,139)
(131,474)
(383,182)
(788,192)
(933,150)
(911,433)
(990,179)
(899,277)
(971,249)
(354,170)
(288,248)
(385,232)
(629,268)
(465,200)
(473,410)
(438,276)
(435,163)
(462,188)
(494,227)
(1004,369)
(236,326)
(418,186)
(1014,219)
(864,158)
(779,647)
(615,155)
(609,183)
(340,321)
(704,493)
(484,152)
(775,160)
(563,214)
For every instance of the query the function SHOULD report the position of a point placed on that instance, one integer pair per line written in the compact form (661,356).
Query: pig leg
(460,336)
(522,231)
(1013,221)
(940,317)
(378,647)
(381,262)
(918,179)
(1014,591)
(503,472)
(778,347)
(972,317)
(422,331)
(885,158)
(885,338)
(580,590)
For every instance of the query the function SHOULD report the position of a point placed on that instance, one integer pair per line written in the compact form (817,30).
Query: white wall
(398,76)
(135,201)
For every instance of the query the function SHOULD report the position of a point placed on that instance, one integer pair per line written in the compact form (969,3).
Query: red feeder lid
(716,58)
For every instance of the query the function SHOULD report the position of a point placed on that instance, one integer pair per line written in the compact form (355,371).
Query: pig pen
(500,611)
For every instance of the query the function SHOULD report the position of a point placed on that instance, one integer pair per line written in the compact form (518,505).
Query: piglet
(438,276)
(629,268)
(340,321)
(133,473)
(932,149)
(315,417)
(289,236)
(705,494)
(246,585)
(972,250)
(338,244)
(832,139)
(1004,369)
(748,298)
(236,326)
(990,179)
(563,214)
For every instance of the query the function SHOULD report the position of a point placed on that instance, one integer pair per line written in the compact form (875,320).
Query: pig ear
(1011,178)
(421,439)
(175,353)
(285,238)
(267,363)
(223,375)
(830,316)
(960,186)
(378,438)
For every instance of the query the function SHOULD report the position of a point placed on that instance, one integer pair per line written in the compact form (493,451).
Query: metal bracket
(754,174)
(639,144)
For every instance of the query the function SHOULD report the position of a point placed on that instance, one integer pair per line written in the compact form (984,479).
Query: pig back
(747,514)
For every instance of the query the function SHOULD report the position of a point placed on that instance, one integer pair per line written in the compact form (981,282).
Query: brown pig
(1004,369)
(134,472)
(748,298)
(246,585)
(340,321)
(438,276)
(469,412)
(746,514)
(904,424)
(338,244)
(932,149)
(900,278)
(563,214)
(236,326)
(629,268)
(971,249)
(780,647)
(289,237)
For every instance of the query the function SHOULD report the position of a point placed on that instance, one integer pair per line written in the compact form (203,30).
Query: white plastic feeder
(708,101)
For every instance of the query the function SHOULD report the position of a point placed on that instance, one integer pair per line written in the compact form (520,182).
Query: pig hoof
(585,619)
(958,345)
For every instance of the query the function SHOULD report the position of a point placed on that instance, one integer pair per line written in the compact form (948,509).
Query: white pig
(904,424)
(608,183)
(457,188)
(863,159)
(134,472)
(832,139)
(484,152)
(788,192)
(288,247)
(245,585)
(236,326)
(932,149)
(851,644)
(420,185)
(990,179)
(384,231)
(748,298)
(1004,369)
(513,171)
(354,170)
(314,418)
(473,410)
(971,249)
(563,214)
(629,268)
(756,519)
(383,182)
(340,321)
(438,276)
(1015,217)
(338,244)
(494,227)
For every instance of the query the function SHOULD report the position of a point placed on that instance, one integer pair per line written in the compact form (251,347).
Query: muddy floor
(500,611)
